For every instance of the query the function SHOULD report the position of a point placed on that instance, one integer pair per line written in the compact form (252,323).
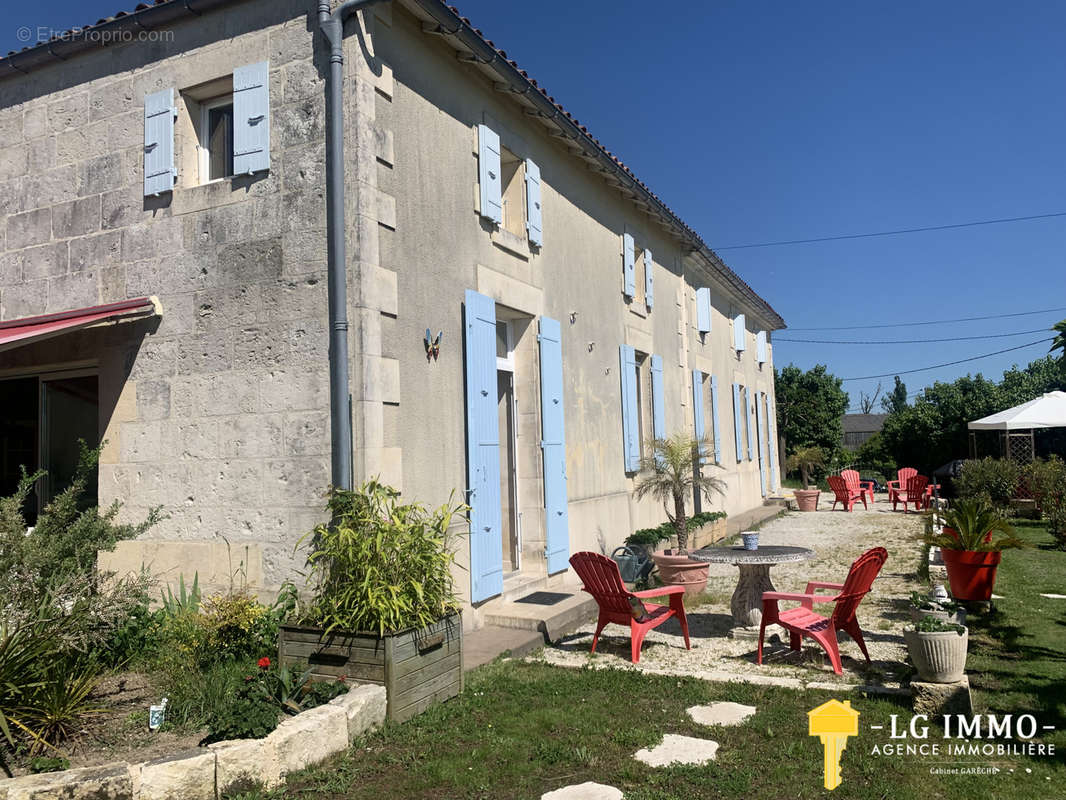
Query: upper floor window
(509,188)
(216,139)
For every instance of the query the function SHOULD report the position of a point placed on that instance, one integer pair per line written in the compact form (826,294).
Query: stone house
(475,295)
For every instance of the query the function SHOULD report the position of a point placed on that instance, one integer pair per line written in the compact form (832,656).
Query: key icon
(833,722)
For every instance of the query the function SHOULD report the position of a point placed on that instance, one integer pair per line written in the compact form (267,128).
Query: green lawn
(524,729)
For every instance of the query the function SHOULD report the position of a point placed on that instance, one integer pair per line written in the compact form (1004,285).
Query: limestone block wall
(219,410)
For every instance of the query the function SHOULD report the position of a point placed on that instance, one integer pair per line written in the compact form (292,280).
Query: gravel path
(837,538)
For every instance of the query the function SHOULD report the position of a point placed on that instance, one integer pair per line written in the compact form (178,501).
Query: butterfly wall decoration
(433,345)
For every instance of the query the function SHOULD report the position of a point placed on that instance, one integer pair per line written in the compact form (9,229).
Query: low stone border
(206,773)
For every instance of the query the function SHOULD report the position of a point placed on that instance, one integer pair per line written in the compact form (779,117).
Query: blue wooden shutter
(649,273)
(553,445)
(760,409)
(658,404)
(489,177)
(627,359)
(737,421)
(159,170)
(483,448)
(760,347)
(629,278)
(714,421)
(533,213)
(703,310)
(251,118)
(748,423)
(697,408)
(740,338)
(771,442)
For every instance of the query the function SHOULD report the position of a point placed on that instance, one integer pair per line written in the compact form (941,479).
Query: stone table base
(746,603)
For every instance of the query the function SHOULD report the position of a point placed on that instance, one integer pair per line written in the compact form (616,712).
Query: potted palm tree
(806,460)
(670,472)
(971,543)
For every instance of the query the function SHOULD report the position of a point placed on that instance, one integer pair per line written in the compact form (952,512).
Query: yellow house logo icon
(833,722)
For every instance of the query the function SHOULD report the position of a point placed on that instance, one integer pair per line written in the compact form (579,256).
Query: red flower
(264,663)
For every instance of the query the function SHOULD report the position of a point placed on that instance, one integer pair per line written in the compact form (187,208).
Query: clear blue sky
(760,122)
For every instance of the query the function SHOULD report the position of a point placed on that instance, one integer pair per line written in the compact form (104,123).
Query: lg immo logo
(833,722)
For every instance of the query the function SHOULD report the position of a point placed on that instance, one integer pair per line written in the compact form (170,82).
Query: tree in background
(932,430)
(1059,342)
(866,401)
(895,401)
(810,409)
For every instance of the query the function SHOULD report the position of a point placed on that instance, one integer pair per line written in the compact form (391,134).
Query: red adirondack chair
(619,605)
(902,476)
(803,621)
(851,477)
(913,493)
(842,493)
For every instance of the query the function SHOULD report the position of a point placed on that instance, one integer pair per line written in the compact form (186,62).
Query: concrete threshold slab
(554,621)
(483,645)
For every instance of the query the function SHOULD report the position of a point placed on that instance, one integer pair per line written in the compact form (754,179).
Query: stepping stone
(1054,596)
(721,713)
(678,750)
(584,791)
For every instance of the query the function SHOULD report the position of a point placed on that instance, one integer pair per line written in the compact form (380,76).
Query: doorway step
(549,606)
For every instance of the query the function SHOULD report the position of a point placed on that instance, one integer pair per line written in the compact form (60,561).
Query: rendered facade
(570,315)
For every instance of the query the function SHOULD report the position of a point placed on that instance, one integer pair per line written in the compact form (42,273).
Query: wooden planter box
(417,667)
(706,534)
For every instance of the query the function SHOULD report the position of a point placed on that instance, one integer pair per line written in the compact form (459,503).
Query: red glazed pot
(972,573)
(680,570)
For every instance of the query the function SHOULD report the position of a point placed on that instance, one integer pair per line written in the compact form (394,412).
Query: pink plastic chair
(851,477)
(603,581)
(803,621)
(842,493)
(902,476)
(913,493)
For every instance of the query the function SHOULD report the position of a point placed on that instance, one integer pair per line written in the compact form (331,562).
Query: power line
(931,322)
(911,341)
(894,233)
(949,363)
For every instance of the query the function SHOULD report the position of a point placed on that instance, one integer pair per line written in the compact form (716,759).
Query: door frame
(507,364)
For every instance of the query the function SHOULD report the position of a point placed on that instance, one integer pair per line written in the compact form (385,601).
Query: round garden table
(754,566)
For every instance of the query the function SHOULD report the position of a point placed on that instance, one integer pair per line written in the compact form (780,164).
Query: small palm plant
(671,470)
(806,460)
(973,525)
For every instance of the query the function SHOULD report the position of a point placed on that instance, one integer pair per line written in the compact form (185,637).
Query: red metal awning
(17,332)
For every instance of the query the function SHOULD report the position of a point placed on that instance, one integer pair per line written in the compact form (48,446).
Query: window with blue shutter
(771,442)
(714,421)
(760,407)
(483,448)
(703,310)
(533,212)
(489,173)
(627,359)
(629,257)
(658,403)
(699,431)
(760,347)
(251,118)
(649,273)
(159,169)
(740,337)
(737,420)
(553,445)
(749,424)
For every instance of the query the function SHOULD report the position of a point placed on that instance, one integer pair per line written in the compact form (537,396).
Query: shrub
(649,538)
(236,625)
(381,565)
(994,480)
(1047,481)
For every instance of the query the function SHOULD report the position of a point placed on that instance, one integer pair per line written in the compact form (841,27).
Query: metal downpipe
(332,25)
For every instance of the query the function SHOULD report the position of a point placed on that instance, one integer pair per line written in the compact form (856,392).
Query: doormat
(543,598)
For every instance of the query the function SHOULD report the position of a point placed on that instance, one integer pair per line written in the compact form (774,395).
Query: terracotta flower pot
(939,657)
(680,570)
(972,573)
(807,499)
